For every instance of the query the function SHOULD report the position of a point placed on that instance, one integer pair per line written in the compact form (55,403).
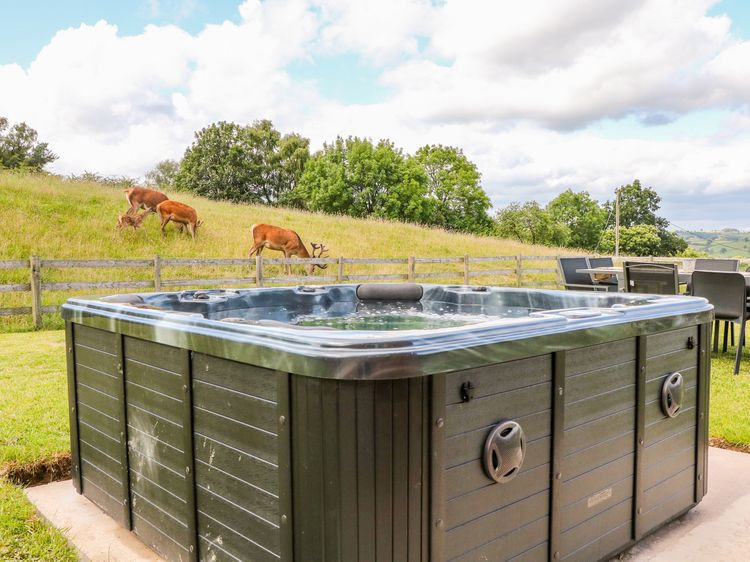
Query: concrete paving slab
(717,529)
(95,535)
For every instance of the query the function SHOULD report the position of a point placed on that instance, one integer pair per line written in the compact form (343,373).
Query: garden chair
(712,264)
(577,281)
(726,291)
(610,283)
(718,264)
(651,277)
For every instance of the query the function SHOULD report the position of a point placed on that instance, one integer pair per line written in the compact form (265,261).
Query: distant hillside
(725,243)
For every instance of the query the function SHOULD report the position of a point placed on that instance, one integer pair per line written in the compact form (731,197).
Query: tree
(638,206)
(20,147)
(583,216)
(355,177)
(253,164)
(455,199)
(276,162)
(530,223)
(162,175)
(637,240)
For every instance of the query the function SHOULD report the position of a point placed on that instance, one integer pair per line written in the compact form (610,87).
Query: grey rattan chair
(611,285)
(650,277)
(577,281)
(718,264)
(726,291)
(713,264)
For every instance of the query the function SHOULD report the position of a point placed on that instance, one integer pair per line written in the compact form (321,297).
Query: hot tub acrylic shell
(219,440)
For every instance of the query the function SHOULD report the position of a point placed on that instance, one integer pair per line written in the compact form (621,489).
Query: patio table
(683,275)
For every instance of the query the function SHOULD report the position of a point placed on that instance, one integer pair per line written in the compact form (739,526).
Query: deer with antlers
(286,241)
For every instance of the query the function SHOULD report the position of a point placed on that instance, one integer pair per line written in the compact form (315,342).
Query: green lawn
(33,430)
(34,426)
(34,400)
(23,536)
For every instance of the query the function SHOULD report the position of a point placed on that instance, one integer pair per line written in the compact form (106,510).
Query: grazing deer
(144,198)
(287,241)
(128,219)
(180,214)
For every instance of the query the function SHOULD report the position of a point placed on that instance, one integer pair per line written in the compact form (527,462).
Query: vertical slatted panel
(596,490)
(358,454)
(123,414)
(239,491)
(437,462)
(189,456)
(160,484)
(75,465)
(558,426)
(670,451)
(286,519)
(365,451)
(640,431)
(704,382)
(98,392)
(484,520)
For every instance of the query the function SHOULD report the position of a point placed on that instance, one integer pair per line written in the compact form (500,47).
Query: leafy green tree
(20,147)
(455,199)
(355,177)
(162,175)
(253,164)
(638,205)
(637,240)
(530,223)
(583,216)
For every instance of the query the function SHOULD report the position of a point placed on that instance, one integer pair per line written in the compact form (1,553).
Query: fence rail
(510,268)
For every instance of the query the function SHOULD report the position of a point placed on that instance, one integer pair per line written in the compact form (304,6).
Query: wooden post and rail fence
(515,274)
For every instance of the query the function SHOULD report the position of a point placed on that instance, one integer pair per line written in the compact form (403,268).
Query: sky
(543,95)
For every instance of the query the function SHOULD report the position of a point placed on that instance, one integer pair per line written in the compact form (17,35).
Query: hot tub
(389,422)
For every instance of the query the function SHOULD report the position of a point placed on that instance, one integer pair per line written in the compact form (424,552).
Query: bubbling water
(384,318)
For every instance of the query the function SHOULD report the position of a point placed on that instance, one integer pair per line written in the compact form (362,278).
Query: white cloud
(515,84)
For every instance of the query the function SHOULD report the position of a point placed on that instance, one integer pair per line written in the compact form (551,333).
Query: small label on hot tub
(599,497)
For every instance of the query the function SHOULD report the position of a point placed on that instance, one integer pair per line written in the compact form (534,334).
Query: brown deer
(180,214)
(287,241)
(135,220)
(144,198)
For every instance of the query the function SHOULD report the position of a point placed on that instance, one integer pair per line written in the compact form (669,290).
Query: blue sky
(542,95)
(28,26)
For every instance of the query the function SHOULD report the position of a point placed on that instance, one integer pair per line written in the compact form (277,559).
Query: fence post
(519,271)
(340,274)
(467,277)
(259,271)
(157,273)
(35,265)
(411,267)
(558,276)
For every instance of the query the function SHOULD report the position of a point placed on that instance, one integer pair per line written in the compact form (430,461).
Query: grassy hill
(727,243)
(56,219)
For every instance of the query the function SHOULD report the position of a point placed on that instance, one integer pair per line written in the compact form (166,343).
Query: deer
(143,198)
(130,219)
(286,241)
(180,214)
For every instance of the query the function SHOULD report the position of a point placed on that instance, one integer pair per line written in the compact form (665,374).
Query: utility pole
(617,222)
